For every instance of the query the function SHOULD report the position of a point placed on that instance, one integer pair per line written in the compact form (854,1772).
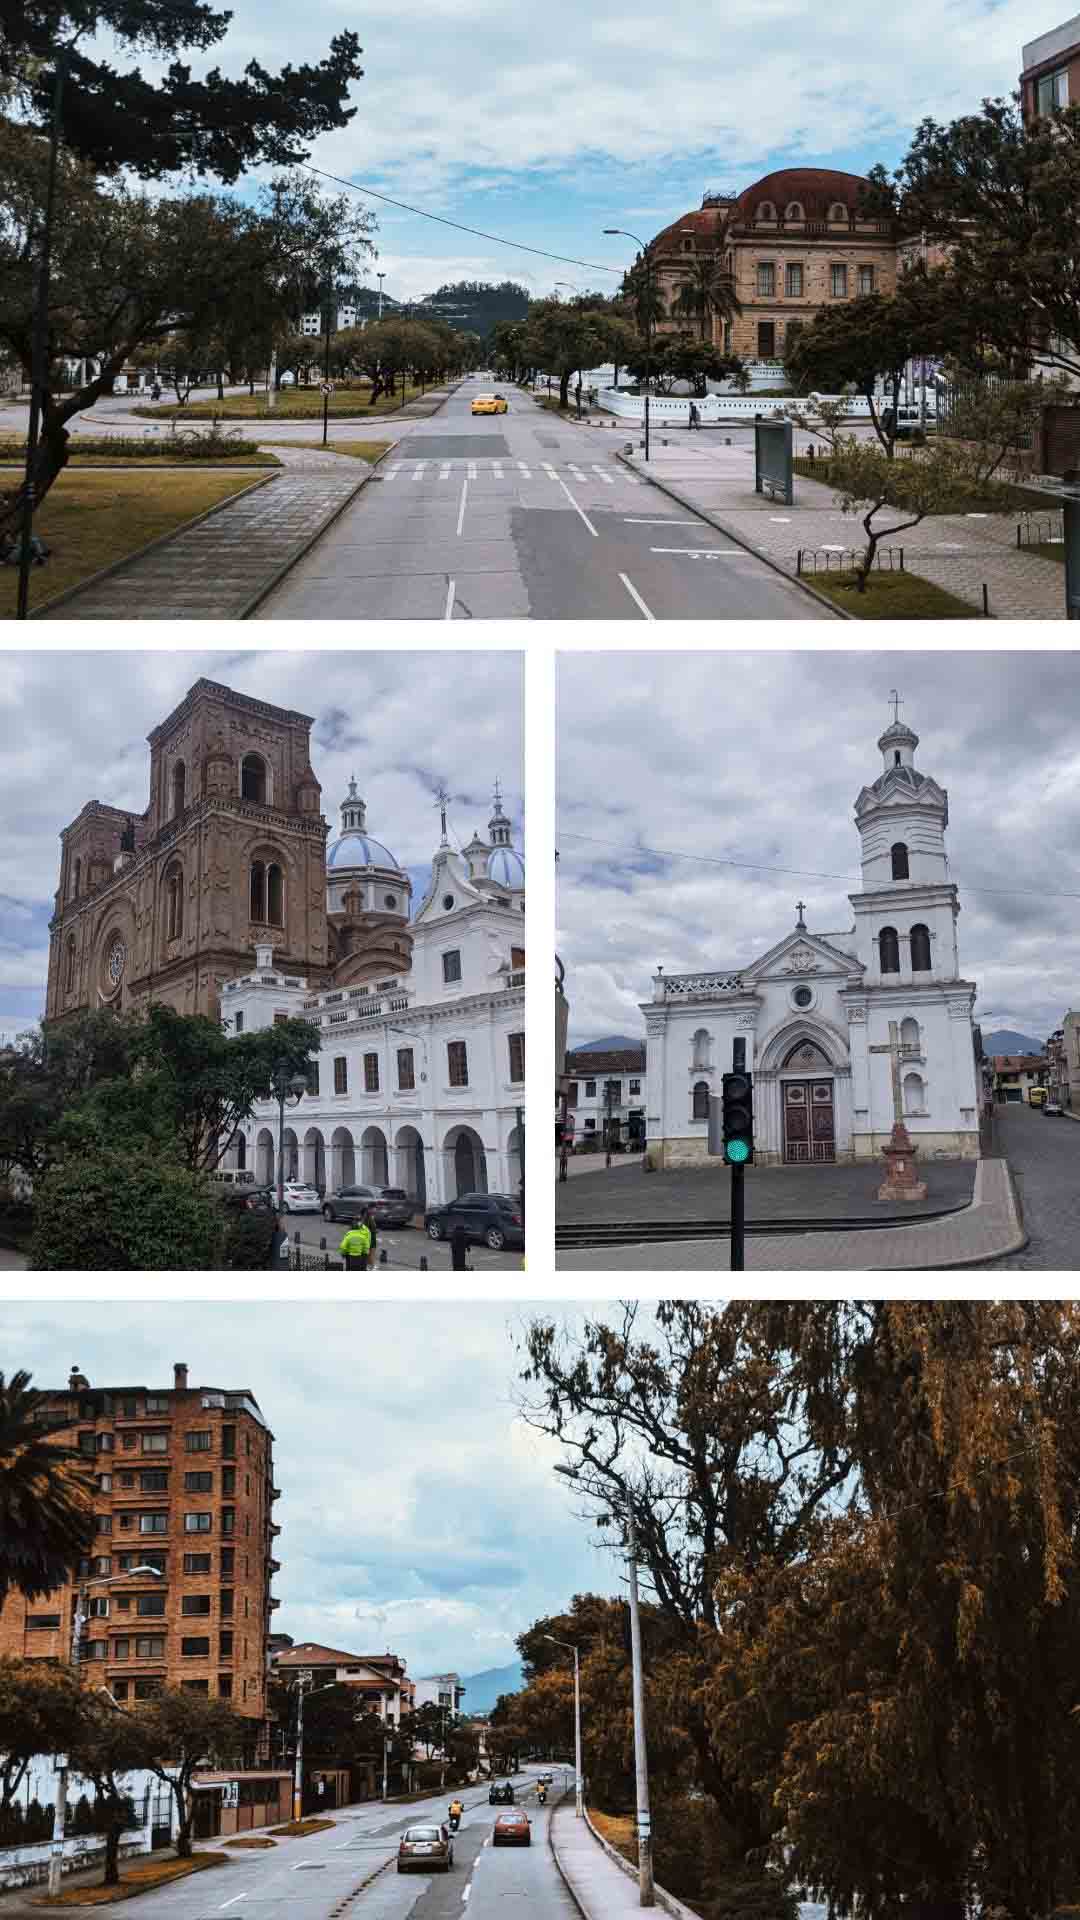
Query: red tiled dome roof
(703,224)
(816,189)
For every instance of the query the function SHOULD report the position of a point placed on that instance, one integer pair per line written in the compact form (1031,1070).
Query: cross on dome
(897,703)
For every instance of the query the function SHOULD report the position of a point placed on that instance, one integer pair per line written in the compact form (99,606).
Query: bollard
(382,1258)
(423,1263)
(798,564)
(322,1244)
(986,601)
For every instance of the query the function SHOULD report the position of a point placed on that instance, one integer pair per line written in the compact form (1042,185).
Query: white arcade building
(421,1073)
(815,1011)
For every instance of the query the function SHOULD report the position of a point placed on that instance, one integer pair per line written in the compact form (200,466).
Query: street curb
(721,1229)
(795,580)
(584,1912)
(677,1908)
(263,593)
(105,573)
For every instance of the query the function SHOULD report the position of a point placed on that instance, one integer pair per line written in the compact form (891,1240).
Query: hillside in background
(475,306)
(1007,1040)
(482,1690)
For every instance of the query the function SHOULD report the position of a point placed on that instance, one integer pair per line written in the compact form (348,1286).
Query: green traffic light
(736,1151)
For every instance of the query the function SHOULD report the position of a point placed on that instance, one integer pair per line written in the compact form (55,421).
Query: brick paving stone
(1044,1158)
(211,570)
(983,1232)
(955,551)
(772,1193)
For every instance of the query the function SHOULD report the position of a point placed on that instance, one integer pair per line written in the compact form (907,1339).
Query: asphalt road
(404,1245)
(525,516)
(1044,1159)
(308,1879)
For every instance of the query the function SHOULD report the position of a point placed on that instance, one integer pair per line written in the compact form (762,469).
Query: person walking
(695,419)
(355,1246)
(278,1259)
(459,1248)
(368,1219)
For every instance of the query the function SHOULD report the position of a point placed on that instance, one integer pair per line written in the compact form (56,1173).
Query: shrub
(248,1237)
(109,1209)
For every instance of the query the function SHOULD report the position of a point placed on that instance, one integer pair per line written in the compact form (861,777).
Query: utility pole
(519,1114)
(298,1761)
(646,1895)
(326,363)
(609,1088)
(648,264)
(579,1789)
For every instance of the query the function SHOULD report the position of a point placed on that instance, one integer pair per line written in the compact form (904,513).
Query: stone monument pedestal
(901,1180)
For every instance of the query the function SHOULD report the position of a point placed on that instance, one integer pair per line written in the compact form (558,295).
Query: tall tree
(707,294)
(183,1732)
(46,1495)
(106,1747)
(41,1708)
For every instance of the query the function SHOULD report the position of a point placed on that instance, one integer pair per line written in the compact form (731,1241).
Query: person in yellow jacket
(356,1245)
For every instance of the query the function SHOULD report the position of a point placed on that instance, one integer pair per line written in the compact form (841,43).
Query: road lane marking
(576,471)
(444,473)
(636,597)
(451,589)
(548,468)
(666,520)
(523,467)
(605,477)
(497,471)
(472,470)
(235,1898)
(461,509)
(392,472)
(703,553)
(578,509)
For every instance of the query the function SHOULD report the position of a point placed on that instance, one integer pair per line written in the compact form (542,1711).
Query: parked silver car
(391,1206)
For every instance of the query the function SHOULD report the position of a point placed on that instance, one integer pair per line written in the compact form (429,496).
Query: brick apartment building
(185,1488)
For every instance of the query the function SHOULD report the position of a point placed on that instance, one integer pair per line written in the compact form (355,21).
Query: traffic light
(738,1118)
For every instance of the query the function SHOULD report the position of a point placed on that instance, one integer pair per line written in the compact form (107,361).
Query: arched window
(896,757)
(69,970)
(701,1100)
(794,212)
(275,895)
(909,1034)
(253,781)
(257,890)
(766,211)
(914,1099)
(241,1153)
(701,1049)
(78,880)
(837,212)
(920,949)
(174,902)
(688,245)
(889,948)
(179,789)
(900,861)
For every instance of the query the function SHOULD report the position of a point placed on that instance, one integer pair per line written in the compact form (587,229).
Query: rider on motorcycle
(457,1808)
(541,1793)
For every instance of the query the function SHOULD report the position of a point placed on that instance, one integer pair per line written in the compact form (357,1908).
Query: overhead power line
(478,233)
(797,873)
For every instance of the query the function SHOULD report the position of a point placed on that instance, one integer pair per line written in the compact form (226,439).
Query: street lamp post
(326,361)
(56,1851)
(285,1085)
(647,257)
(298,1762)
(569,1647)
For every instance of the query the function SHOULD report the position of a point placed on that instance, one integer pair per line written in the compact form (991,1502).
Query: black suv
(501,1796)
(490,1219)
(391,1206)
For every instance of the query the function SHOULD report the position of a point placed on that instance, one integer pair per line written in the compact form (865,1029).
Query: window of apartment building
(590,1089)
(457,1060)
(146,1557)
(149,1689)
(766,339)
(103,1523)
(838,282)
(451,967)
(106,1443)
(155,1443)
(121,1649)
(635,1088)
(866,279)
(1052,91)
(517,959)
(793,284)
(238,1023)
(153,1523)
(516,1045)
(127,1479)
(104,1482)
(371,1073)
(341,1074)
(129,1441)
(129,1409)
(152,1480)
(195,1686)
(150,1605)
(226,1601)
(228,1561)
(195,1603)
(312,1071)
(224,1686)
(198,1483)
(197,1522)
(228,1520)
(97,1649)
(119,1689)
(225,1644)
(150,1646)
(228,1479)
(199,1440)
(766,280)
(572,1094)
(197,1562)
(86,1443)
(406,1070)
(157,1403)
(101,1565)
(43,1622)
(228,1441)
(98,1606)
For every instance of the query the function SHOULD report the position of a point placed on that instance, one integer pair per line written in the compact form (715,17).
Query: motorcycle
(454,1822)
(541,1796)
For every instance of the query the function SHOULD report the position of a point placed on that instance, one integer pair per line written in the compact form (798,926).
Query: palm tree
(46,1495)
(645,296)
(710,290)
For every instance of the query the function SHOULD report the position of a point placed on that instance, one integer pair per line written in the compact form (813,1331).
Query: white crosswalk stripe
(472,469)
(577,473)
(605,477)
(392,472)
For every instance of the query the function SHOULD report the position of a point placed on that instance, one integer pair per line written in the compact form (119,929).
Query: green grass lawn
(892,596)
(292,403)
(1007,498)
(91,520)
(368,450)
(126,450)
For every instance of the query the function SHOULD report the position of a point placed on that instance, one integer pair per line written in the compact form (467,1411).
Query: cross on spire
(800,908)
(441,798)
(897,703)
(498,794)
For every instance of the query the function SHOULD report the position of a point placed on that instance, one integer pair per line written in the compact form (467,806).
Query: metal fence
(1040,529)
(843,559)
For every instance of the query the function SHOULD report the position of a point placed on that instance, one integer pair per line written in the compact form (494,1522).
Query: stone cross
(897,704)
(800,908)
(498,794)
(441,798)
(893,1048)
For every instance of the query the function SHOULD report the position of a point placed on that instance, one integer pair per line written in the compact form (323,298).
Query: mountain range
(482,1690)
(1007,1040)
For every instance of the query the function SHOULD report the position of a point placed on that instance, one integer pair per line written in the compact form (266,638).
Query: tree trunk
(112,1855)
(220,385)
(564,389)
(51,454)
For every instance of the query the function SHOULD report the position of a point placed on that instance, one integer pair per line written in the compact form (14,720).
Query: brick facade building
(184,1480)
(790,245)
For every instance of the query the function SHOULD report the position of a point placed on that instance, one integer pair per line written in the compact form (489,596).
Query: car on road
(298,1197)
(512,1830)
(428,1848)
(249,1199)
(544,1779)
(501,1796)
(490,1219)
(490,403)
(391,1206)
(1051,1106)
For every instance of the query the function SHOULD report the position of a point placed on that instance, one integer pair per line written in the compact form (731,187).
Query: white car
(298,1198)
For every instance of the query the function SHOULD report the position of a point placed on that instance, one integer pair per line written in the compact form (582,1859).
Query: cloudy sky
(418,1512)
(668,762)
(75,724)
(547,127)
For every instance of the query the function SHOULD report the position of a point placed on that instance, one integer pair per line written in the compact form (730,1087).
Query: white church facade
(840,1029)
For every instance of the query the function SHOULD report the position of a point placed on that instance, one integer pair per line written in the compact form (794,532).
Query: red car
(512,1830)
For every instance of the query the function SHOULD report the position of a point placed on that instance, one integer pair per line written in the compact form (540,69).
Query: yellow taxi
(490,403)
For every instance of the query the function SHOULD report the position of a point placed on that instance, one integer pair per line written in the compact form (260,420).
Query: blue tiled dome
(506,867)
(355,849)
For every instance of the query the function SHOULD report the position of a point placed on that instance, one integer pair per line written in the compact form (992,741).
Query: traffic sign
(328,388)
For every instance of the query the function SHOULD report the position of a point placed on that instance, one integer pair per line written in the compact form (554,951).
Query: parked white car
(298,1198)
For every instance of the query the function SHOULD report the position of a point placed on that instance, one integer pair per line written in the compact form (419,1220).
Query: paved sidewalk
(779,1195)
(986,1230)
(956,551)
(216,568)
(600,1888)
